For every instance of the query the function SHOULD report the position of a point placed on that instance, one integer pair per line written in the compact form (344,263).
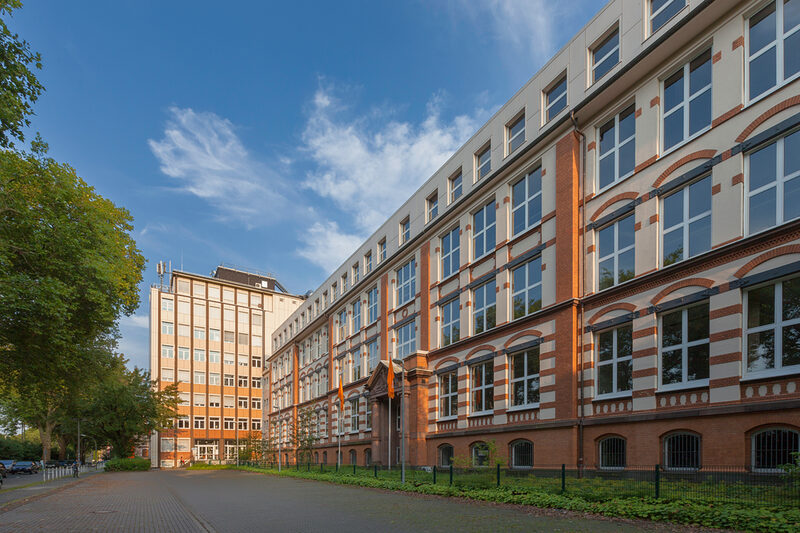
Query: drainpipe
(581,287)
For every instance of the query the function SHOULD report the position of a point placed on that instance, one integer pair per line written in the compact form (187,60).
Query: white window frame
(484,388)
(483,169)
(354,422)
(406,283)
(448,390)
(513,137)
(776,327)
(548,105)
(616,253)
(451,253)
(779,44)
(448,325)
(530,200)
(488,288)
(779,183)
(357,315)
(372,305)
(373,356)
(685,105)
(199,374)
(455,186)
(342,319)
(687,221)
(368,262)
(652,14)
(167,351)
(529,288)
(405,230)
(484,232)
(432,206)
(614,152)
(406,339)
(199,355)
(199,422)
(167,328)
(684,346)
(382,251)
(613,363)
(597,61)
(524,379)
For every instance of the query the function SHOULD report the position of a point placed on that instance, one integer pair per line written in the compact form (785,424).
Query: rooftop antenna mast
(161,268)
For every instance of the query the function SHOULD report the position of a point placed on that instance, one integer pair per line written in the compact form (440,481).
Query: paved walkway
(221,501)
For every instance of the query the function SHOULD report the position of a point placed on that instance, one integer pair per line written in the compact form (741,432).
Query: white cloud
(327,246)
(135,321)
(202,151)
(368,165)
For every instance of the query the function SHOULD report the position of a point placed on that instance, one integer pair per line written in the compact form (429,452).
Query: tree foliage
(19,88)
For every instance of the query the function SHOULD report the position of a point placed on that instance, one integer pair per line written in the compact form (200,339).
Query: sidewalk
(10,497)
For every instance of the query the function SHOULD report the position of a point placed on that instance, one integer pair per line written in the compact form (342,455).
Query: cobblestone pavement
(222,501)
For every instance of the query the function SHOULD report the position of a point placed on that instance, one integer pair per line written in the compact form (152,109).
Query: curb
(13,504)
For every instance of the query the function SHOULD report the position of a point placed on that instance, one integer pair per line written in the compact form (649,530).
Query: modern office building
(606,274)
(207,335)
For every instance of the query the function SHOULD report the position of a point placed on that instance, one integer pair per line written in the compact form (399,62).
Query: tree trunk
(62,447)
(45,434)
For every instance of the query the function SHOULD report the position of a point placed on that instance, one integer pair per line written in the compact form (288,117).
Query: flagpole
(403,426)
(390,432)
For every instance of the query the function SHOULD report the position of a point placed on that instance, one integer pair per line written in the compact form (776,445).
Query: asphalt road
(222,501)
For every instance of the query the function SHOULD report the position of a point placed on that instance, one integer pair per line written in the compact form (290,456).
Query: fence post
(375,466)
(451,473)
(658,481)
(337,466)
(434,474)
(321,468)
(563,478)
(354,469)
(498,474)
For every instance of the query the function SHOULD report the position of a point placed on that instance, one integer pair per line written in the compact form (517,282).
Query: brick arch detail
(527,333)
(441,363)
(613,307)
(700,154)
(772,254)
(614,199)
(696,282)
(481,348)
(771,425)
(610,434)
(766,115)
(673,431)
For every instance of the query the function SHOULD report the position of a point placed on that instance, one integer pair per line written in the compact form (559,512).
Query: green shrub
(128,465)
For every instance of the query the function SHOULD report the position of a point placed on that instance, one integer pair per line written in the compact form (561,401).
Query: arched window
(773,447)
(316,457)
(367,457)
(480,454)
(353,457)
(611,452)
(522,454)
(445,455)
(325,457)
(682,450)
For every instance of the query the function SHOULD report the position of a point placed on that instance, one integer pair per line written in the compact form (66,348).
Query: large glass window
(556,98)
(406,282)
(483,230)
(772,448)
(451,251)
(527,201)
(167,351)
(663,10)
(522,454)
(483,162)
(433,206)
(525,378)
(455,187)
(342,325)
(684,346)
(614,365)
(372,304)
(682,451)
(773,190)
(353,418)
(406,340)
(605,55)
(515,134)
(482,387)
(527,288)
(480,454)
(448,395)
(611,452)
(687,101)
(773,37)
(356,316)
(484,307)
(616,154)
(405,232)
(687,222)
(615,253)
(445,455)
(451,322)
(773,327)
(374,356)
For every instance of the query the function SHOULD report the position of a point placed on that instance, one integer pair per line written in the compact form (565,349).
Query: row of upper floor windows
(213,292)
(184,354)
(213,334)
(201,377)
(686,112)
(201,399)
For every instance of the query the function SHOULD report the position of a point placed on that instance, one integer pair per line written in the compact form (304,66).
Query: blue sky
(273,135)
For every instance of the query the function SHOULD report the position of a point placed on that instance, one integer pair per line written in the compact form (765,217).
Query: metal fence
(708,484)
(57,472)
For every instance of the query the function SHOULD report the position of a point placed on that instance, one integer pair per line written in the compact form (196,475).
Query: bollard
(498,474)
(309,467)
(658,481)
(375,466)
(337,466)
(563,478)
(434,474)
(451,473)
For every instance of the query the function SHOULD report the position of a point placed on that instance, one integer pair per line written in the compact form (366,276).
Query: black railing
(708,483)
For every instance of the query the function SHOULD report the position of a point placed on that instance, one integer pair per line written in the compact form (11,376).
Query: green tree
(68,269)
(19,88)
(125,407)
(305,435)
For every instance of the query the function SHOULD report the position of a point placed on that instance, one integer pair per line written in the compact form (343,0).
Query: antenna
(160,269)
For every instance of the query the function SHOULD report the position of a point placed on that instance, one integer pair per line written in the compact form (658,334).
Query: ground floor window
(774,447)
(682,451)
(445,455)
(522,454)
(367,457)
(611,452)
(480,454)
(353,457)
